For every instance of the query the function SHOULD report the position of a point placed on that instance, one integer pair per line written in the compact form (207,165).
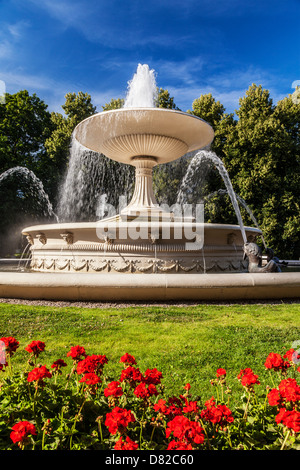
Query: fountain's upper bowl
(126,133)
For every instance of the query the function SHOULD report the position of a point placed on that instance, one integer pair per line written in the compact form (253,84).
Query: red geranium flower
(38,374)
(179,445)
(11,344)
(292,356)
(93,363)
(58,364)
(128,444)
(35,347)
(132,375)
(289,418)
(143,391)
(289,390)
(248,378)
(276,362)
(118,419)
(21,431)
(128,359)
(113,389)
(185,430)
(152,376)
(76,353)
(221,372)
(217,414)
(274,397)
(161,406)
(191,407)
(90,378)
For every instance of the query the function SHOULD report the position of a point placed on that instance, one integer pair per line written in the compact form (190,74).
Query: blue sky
(52,47)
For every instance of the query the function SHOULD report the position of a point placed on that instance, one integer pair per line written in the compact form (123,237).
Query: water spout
(187,184)
(142,89)
(244,205)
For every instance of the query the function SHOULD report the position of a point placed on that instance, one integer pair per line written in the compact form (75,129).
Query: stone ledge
(117,287)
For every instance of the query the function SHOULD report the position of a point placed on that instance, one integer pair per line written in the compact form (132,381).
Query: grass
(186,343)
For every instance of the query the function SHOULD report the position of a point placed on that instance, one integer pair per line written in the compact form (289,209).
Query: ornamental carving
(123,265)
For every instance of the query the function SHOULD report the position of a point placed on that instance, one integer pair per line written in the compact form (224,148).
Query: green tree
(164,100)
(25,124)
(114,104)
(261,155)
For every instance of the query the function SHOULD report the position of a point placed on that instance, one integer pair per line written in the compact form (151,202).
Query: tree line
(259,146)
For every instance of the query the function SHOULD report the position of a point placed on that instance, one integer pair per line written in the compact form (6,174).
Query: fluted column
(143,202)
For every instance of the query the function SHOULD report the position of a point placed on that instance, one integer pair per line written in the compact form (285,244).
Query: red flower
(248,378)
(174,407)
(217,414)
(76,353)
(292,356)
(152,376)
(143,391)
(185,430)
(90,378)
(161,406)
(21,431)
(118,419)
(221,372)
(276,362)
(187,387)
(58,364)
(11,344)
(113,389)
(289,390)
(290,419)
(178,445)
(274,397)
(132,375)
(93,363)
(38,374)
(128,444)
(128,359)
(191,407)
(35,347)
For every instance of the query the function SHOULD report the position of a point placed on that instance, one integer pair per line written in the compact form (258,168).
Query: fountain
(146,252)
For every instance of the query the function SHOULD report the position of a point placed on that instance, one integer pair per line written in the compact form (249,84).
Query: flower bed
(46,408)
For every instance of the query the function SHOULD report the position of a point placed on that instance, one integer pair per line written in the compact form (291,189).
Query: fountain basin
(113,246)
(122,134)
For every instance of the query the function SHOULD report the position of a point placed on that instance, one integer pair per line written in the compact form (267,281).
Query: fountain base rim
(157,287)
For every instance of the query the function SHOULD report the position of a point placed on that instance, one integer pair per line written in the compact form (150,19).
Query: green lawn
(186,343)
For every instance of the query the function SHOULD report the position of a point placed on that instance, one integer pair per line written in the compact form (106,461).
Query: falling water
(36,187)
(90,176)
(187,183)
(142,89)
(244,204)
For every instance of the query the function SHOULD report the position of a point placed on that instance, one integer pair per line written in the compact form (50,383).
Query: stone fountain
(144,252)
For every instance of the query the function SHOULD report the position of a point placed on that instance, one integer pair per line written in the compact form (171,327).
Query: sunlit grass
(187,343)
